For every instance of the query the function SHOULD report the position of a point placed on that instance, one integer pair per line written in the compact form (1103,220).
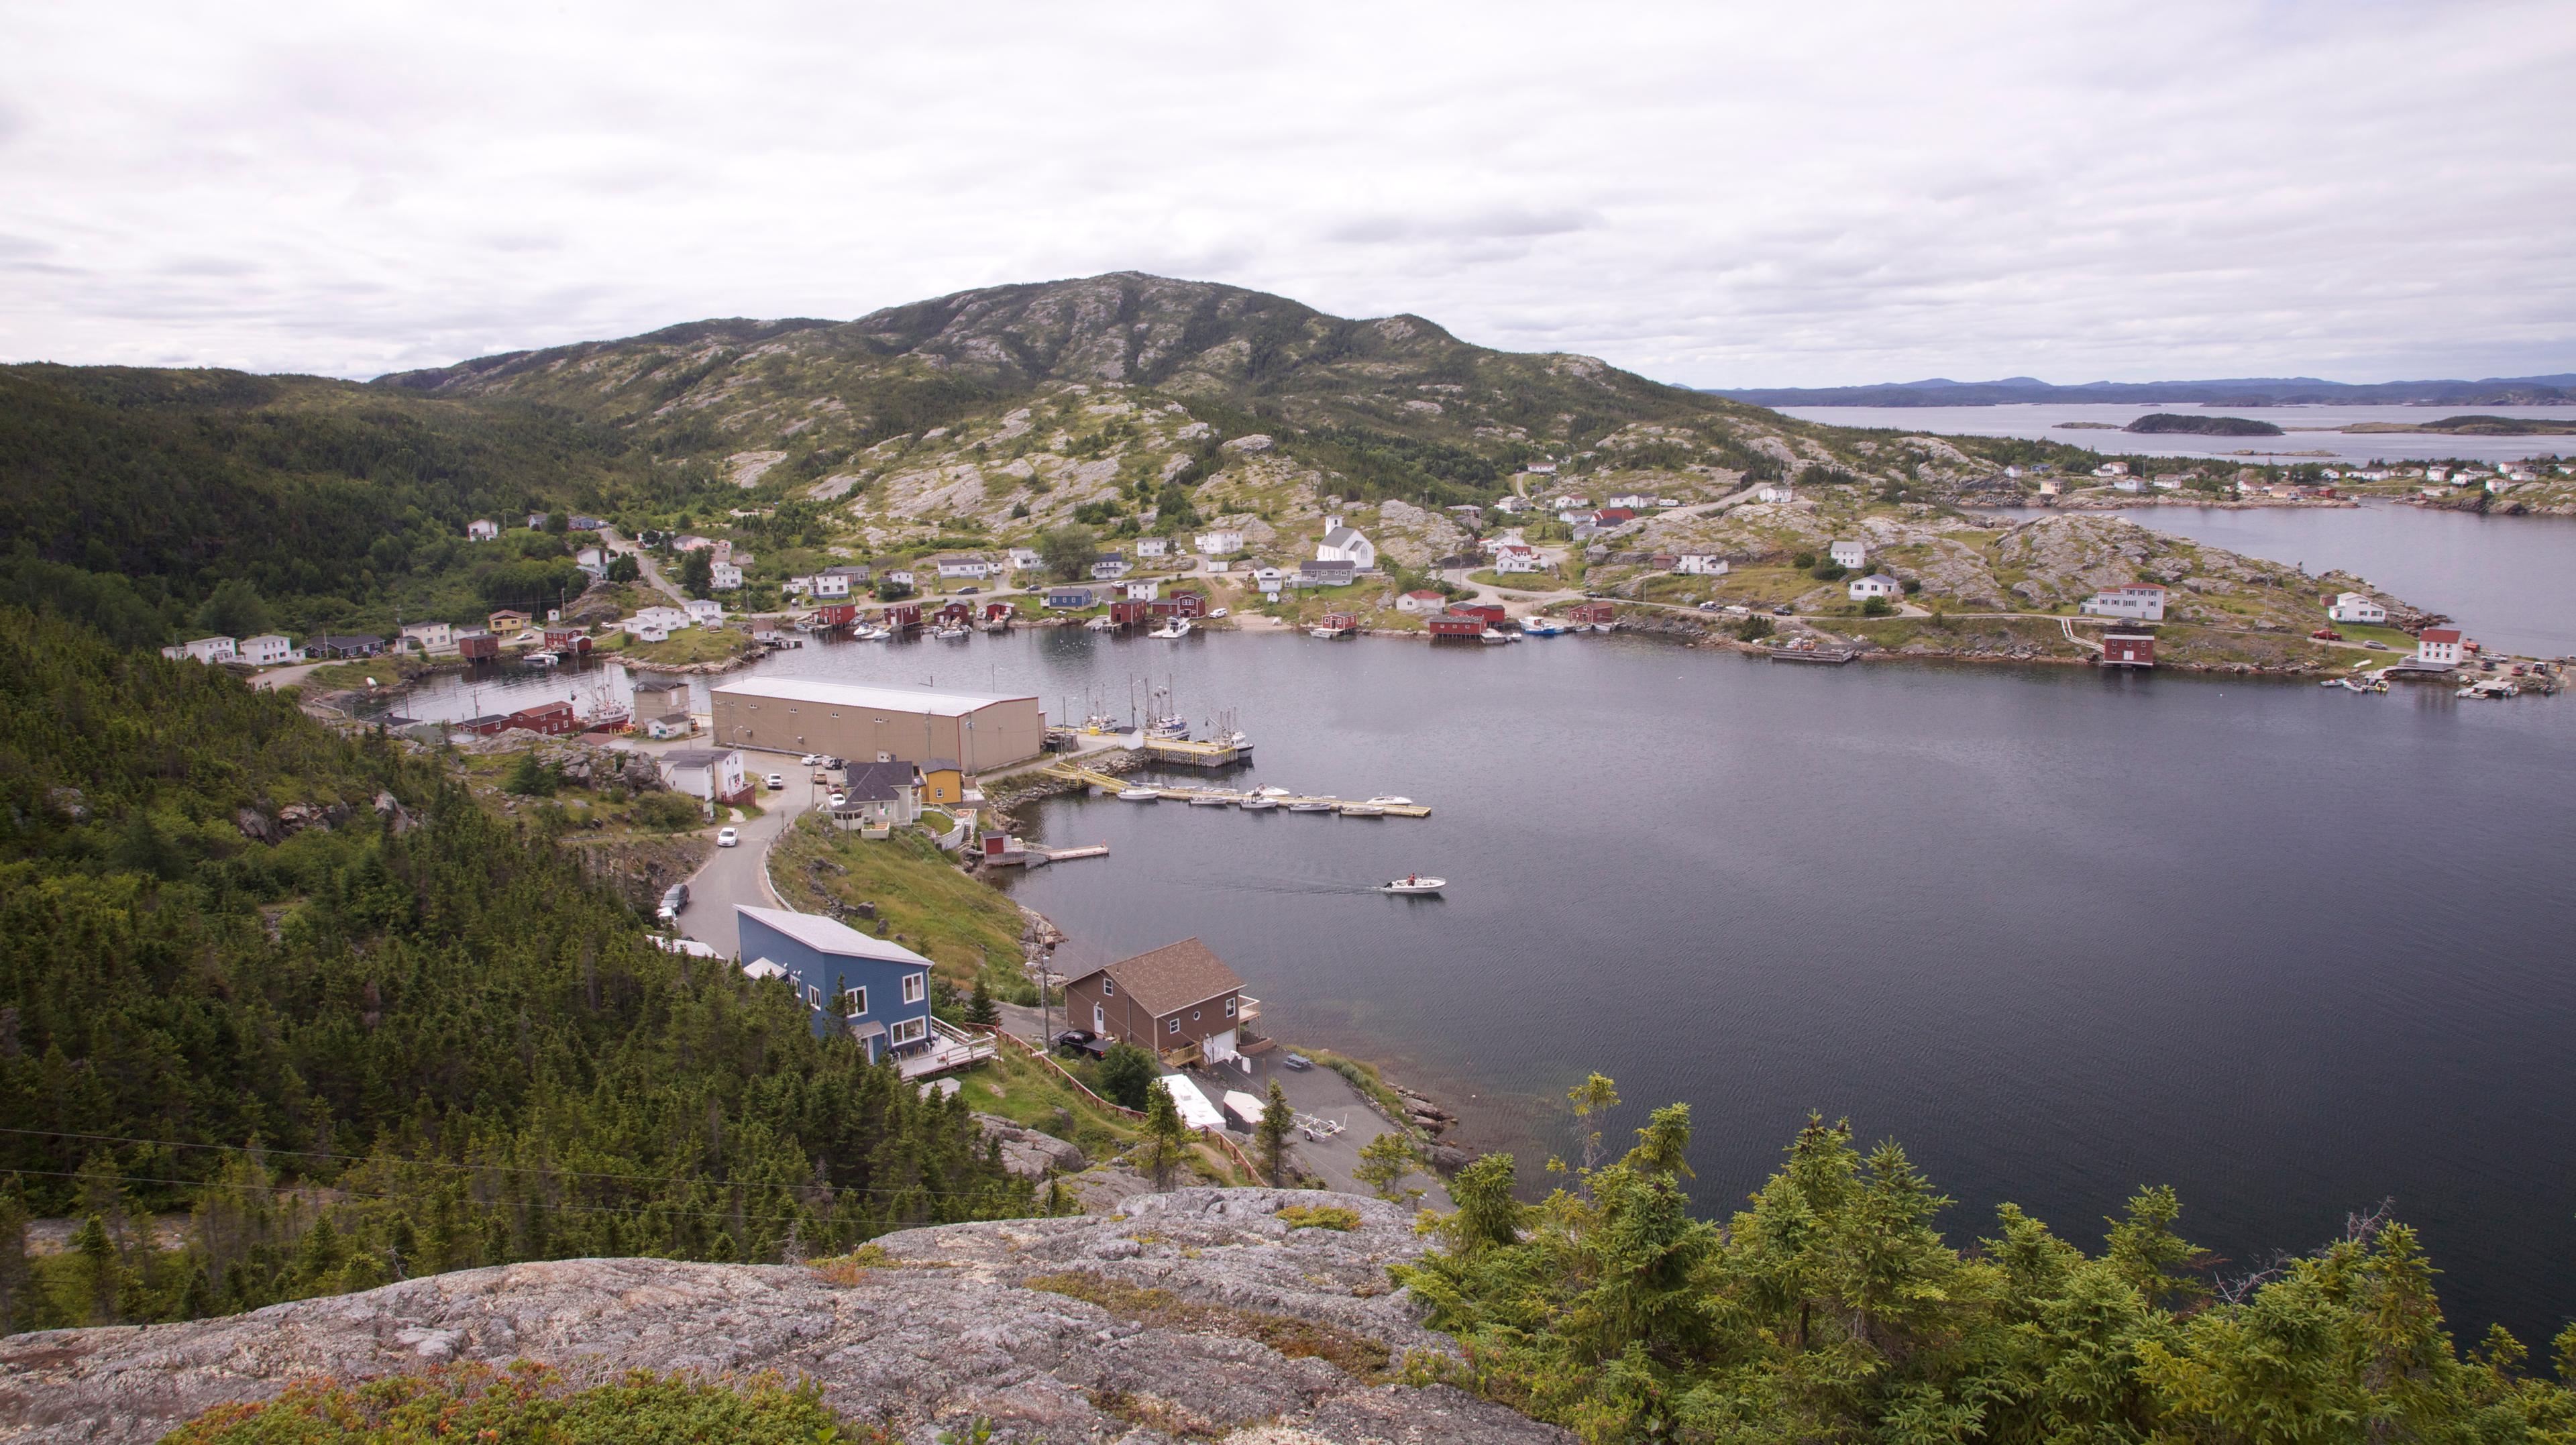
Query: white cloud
(1717,195)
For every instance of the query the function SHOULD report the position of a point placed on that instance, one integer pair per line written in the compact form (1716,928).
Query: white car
(777,781)
(837,799)
(811,758)
(728,837)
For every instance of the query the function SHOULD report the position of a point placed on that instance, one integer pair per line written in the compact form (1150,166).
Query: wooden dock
(1181,752)
(1078,773)
(1831,656)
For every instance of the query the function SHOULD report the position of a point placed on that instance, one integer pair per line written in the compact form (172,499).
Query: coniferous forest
(405,1038)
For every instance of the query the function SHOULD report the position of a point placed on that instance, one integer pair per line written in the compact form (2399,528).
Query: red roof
(2438,634)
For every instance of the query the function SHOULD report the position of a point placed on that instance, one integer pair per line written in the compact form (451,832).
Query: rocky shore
(1196,1314)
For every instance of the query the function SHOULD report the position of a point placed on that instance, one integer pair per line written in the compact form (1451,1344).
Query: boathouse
(2128,649)
(1180,1002)
(1451,625)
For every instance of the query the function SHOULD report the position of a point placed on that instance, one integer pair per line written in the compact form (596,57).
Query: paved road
(652,571)
(740,875)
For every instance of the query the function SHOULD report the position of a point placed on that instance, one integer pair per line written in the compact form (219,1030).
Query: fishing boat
(1493,638)
(1390,800)
(1311,807)
(1178,627)
(951,632)
(543,659)
(1258,804)
(1362,810)
(1413,883)
(1540,627)
(1139,795)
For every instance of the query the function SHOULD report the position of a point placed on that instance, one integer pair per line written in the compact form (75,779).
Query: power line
(443,1164)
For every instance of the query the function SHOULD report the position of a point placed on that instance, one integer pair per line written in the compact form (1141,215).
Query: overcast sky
(1720,195)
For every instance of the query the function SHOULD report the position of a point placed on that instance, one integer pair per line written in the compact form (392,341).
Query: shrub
(1126,1075)
(1753,629)
(1876,607)
(1320,1216)
(532,1402)
(667,812)
(1803,560)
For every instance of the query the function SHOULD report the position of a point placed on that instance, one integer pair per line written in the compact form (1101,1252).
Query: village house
(669,725)
(691,542)
(508,622)
(1512,506)
(872,991)
(1026,559)
(798,587)
(1517,557)
(963,568)
(2139,601)
(2356,607)
(430,636)
(1268,580)
(1420,601)
(1222,543)
(1335,573)
(268,650)
(1179,1002)
(1876,584)
(1067,598)
(1110,566)
(204,649)
(482,529)
(704,611)
(1153,546)
(724,577)
(714,775)
(663,618)
(1345,544)
(1776,492)
(1632,501)
(1701,564)
(2112,469)
(1144,591)
(1849,554)
(1570,516)
(333,645)
(1614,516)
(476,645)
(584,522)
(879,797)
(2438,645)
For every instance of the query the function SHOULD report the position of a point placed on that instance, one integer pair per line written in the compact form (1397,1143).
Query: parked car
(1078,1041)
(2326,634)
(968,591)
(777,781)
(1783,610)
(837,799)
(728,837)
(810,759)
(1710,606)
(675,900)
(1299,1062)
(2374,644)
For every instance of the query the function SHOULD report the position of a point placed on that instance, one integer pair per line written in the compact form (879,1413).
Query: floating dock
(1181,752)
(1080,774)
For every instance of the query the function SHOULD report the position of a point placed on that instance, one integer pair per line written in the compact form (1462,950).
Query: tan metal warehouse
(863,724)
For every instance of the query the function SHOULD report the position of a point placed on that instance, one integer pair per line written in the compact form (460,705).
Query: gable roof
(1342,537)
(1171,977)
(2438,634)
(825,935)
(878,782)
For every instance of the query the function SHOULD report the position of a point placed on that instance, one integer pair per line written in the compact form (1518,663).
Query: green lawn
(688,645)
(922,900)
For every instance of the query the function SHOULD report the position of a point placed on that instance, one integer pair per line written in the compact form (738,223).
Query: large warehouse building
(863,724)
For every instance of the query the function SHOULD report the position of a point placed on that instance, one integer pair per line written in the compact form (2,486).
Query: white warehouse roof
(846,694)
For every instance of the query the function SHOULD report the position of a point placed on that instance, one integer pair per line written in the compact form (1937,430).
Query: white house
(724,577)
(973,569)
(665,618)
(1633,501)
(831,584)
(1424,601)
(802,586)
(1776,492)
(1574,516)
(482,529)
(1153,546)
(593,560)
(2438,645)
(903,577)
(1144,591)
(2127,484)
(1701,564)
(1269,580)
(704,611)
(667,726)
(269,649)
(2139,601)
(2356,607)
(1517,557)
(1513,505)
(1026,559)
(714,774)
(204,649)
(1221,543)
(432,636)
(1345,544)
(2112,469)
(1109,567)
(1876,584)
(1543,469)
(1849,554)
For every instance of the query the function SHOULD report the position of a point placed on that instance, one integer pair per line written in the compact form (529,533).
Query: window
(813,996)
(857,1001)
(1173,1027)
(916,986)
(1229,1008)
(1108,986)
(910,1031)
(1194,1014)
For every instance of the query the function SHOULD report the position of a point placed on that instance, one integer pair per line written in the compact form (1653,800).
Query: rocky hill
(1200,1314)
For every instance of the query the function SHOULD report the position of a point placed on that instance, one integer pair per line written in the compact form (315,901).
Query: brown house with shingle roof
(1180,1002)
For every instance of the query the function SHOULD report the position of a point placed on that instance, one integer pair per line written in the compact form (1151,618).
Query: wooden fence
(1049,1059)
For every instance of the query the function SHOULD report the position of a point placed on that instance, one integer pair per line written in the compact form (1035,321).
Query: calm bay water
(2062,934)
(2041,421)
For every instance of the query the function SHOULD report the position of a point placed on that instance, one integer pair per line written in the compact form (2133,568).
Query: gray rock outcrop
(1026,1151)
(933,1328)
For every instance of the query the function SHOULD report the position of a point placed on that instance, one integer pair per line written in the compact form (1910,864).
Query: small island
(2476,426)
(2207,426)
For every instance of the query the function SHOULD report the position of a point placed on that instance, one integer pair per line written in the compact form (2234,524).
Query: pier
(1181,752)
(1076,772)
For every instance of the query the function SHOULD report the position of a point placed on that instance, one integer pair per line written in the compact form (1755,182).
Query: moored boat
(1258,804)
(1362,810)
(1311,807)
(1139,795)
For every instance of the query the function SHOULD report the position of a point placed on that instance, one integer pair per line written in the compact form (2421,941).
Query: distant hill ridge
(2555,390)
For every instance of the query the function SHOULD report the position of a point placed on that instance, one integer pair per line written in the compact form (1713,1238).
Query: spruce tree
(1277,1118)
(1165,1136)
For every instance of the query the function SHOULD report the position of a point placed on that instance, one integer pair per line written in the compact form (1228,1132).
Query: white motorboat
(952,632)
(1413,883)
(1313,807)
(1277,792)
(1258,804)
(1178,627)
(1097,624)
(1139,795)
(1493,638)
(1390,800)
(1213,800)
(1362,810)
(543,659)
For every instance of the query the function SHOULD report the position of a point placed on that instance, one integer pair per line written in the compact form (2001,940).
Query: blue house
(1069,599)
(873,991)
